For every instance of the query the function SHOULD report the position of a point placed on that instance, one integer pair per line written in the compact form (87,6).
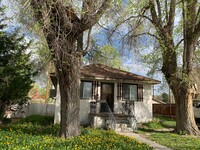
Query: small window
(129,92)
(86,90)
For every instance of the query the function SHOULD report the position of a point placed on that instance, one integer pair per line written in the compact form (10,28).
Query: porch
(101,116)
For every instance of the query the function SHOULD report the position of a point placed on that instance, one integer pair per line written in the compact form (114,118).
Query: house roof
(158,101)
(103,72)
(99,71)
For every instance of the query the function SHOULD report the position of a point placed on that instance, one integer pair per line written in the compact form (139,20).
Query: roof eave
(122,80)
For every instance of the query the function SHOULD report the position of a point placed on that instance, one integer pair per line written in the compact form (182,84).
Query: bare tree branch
(159,10)
(88,42)
(89,20)
(154,16)
(102,26)
(197,15)
(177,45)
(147,33)
(170,22)
(166,11)
(184,36)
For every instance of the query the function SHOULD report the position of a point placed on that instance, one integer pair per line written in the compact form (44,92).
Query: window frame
(131,101)
(86,98)
(140,92)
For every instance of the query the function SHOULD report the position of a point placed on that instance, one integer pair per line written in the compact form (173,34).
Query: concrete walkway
(153,144)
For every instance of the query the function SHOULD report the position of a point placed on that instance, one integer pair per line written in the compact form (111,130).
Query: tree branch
(154,14)
(55,12)
(103,26)
(197,31)
(170,22)
(177,45)
(89,20)
(197,15)
(166,11)
(147,33)
(159,11)
(87,49)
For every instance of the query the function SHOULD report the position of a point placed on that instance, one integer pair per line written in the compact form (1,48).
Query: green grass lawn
(34,134)
(161,131)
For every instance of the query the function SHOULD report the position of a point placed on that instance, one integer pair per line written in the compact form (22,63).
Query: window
(129,92)
(86,89)
(132,92)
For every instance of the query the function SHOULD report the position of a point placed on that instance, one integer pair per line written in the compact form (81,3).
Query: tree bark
(62,26)
(185,122)
(180,81)
(67,64)
(70,104)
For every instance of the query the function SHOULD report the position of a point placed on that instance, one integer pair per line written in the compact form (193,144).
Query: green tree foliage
(106,55)
(15,69)
(175,28)
(165,97)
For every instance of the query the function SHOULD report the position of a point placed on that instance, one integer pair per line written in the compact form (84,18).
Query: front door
(107,93)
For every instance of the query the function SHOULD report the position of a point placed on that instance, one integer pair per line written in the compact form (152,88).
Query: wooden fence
(167,110)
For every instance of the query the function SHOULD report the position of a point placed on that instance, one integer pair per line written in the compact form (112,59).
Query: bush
(6,120)
(39,120)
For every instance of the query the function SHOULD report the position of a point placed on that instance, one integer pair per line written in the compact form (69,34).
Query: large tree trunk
(67,64)
(62,26)
(70,104)
(180,82)
(185,122)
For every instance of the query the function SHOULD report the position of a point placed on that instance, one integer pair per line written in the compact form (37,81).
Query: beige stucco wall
(84,111)
(143,109)
(154,102)
(57,107)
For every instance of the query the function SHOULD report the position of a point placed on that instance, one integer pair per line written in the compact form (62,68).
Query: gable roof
(100,71)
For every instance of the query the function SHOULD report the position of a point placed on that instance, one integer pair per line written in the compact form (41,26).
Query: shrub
(6,120)
(40,120)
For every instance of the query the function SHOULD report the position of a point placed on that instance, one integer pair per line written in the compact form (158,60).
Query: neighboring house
(196,76)
(100,84)
(156,101)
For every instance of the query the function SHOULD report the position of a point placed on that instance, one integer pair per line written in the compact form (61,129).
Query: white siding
(143,109)
(57,107)
(84,111)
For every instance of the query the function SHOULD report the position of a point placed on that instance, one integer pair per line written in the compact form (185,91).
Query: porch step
(122,124)
(124,121)
(123,127)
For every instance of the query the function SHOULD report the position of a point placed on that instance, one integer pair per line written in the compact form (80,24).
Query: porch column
(57,106)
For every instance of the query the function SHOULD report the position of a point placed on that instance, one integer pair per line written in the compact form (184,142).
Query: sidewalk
(153,144)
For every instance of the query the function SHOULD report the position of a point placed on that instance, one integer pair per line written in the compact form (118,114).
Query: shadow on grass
(164,125)
(154,131)
(33,125)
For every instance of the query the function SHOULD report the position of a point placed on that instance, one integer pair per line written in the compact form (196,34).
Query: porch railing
(111,119)
(132,119)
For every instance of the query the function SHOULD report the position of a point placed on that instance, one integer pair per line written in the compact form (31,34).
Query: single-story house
(156,101)
(103,86)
